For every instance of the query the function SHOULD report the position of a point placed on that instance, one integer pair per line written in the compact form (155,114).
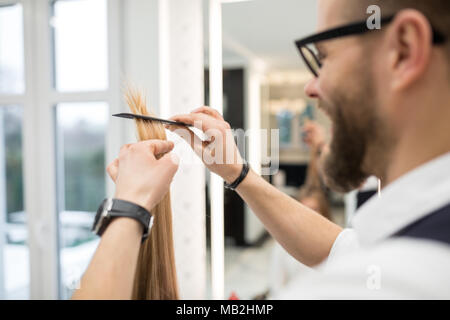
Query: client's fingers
(158,147)
(171,162)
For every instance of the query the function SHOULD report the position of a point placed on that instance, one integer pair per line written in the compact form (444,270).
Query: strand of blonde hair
(155,277)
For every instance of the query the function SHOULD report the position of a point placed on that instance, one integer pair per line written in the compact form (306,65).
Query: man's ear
(410,44)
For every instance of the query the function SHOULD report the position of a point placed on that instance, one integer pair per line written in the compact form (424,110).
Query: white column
(181,90)
(39,156)
(115,136)
(253,79)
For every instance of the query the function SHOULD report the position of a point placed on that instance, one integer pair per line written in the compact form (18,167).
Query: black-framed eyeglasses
(311,56)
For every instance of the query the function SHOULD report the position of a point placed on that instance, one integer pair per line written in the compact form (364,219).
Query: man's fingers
(190,137)
(113,169)
(209,111)
(186,118)
(200,120)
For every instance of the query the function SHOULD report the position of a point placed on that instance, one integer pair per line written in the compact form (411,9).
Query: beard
(356,127)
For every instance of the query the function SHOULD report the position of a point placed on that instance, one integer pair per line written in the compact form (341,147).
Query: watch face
(111,208)
(99,213)
(150,223)
(102,214)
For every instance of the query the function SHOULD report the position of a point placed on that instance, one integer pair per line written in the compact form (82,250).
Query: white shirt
(365,263)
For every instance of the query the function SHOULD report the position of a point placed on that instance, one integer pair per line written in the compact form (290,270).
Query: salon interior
(64,65)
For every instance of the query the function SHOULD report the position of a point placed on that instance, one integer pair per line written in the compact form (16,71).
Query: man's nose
(311,88)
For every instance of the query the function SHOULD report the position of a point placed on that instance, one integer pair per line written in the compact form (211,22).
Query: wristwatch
(112,208)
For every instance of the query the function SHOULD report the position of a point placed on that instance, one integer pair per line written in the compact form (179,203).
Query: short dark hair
(437,11)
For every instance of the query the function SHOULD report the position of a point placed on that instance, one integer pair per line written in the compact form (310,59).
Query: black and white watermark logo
(374,277)
(374,20)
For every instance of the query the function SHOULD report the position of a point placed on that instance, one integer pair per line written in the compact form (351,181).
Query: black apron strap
(435,226)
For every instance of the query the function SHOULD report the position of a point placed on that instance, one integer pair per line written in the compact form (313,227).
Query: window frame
(39,139)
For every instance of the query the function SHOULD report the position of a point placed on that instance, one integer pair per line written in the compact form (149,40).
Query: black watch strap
(237,182)
(114,208)
(121,208)
(126,206)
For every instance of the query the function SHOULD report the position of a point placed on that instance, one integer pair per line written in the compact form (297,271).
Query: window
(80,68)
(14,255)
(11,50)
(56,94)
(80,45)
(13,225)
(80,183)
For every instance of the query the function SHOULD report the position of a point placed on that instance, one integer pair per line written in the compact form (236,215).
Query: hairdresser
(387,92)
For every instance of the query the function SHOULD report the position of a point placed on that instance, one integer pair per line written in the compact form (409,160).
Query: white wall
(182,78)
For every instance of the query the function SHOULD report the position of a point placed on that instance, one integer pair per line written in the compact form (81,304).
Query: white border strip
(216,183)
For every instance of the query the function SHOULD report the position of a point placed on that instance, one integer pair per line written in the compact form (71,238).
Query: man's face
(346,92)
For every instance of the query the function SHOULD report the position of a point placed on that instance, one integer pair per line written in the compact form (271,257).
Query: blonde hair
(155,277)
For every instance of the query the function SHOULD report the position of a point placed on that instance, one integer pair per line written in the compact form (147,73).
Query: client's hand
(315,136)
(141,178)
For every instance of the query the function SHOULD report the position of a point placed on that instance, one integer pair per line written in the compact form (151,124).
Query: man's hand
(305,234)
(220,154)
(141,178)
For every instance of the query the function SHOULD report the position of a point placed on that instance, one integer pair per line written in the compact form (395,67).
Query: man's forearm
(111,272)
(305,234)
